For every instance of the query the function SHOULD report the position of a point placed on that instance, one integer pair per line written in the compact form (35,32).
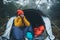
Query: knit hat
(19,12)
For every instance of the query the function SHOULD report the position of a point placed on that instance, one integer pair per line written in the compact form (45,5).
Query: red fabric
(19,12)
(38,31)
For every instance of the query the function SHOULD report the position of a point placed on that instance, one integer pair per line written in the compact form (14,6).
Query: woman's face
(22,15)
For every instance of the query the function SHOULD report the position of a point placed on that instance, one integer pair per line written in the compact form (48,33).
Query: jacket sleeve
(26,22)
(17,22)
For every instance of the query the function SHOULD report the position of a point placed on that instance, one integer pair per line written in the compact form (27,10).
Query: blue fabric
(29,34)
(19,33)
